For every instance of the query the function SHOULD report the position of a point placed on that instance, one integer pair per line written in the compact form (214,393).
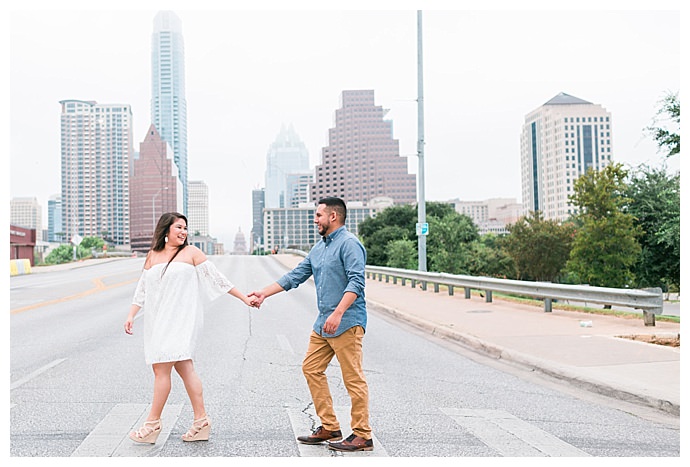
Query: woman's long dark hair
(161,232)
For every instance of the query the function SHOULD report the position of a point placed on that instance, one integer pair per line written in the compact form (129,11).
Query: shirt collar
(329,238)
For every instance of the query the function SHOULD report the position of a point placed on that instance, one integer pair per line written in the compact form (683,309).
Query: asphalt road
(78,383)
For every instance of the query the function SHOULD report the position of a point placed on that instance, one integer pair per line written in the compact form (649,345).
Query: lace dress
(173,306)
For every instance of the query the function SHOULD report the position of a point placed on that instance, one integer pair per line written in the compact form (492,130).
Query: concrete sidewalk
(595,358)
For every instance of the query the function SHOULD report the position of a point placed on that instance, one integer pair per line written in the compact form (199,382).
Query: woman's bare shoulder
(197,256)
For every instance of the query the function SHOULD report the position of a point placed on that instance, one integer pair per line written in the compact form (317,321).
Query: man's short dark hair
(336,204)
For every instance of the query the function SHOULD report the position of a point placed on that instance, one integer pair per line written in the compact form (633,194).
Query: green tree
(92,242)
(62,254)
(489,258)
(665,128)
(453,244)
(605,247)
(655,204)
(449,243)
(391,224)
(540,248)
(377,243)
(402,254)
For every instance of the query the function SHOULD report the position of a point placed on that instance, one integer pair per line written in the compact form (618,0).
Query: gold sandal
(199,431)
(148,433)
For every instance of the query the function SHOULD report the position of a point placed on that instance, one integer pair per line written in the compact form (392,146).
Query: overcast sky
(248,72)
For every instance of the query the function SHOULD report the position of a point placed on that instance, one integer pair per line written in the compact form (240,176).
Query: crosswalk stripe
(304,421)
(510,436)
(499,430)
(110,437)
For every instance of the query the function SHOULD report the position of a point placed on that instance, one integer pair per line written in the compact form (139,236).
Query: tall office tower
(168,103)
(256,241)
(362,160)
(55,232)
(96,150)
(27,213)
(560,141)
(197,216)
(154,188)
(297,189)
(286,155)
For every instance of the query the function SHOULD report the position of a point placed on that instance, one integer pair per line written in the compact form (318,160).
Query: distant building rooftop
(566,99)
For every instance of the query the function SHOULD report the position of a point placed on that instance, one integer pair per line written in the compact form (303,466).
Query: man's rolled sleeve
(354,260)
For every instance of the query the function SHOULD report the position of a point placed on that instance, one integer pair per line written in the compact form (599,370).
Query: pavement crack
(307,411)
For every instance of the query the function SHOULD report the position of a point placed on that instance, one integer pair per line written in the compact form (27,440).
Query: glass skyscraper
(168,103)
(55,232)
(287,155)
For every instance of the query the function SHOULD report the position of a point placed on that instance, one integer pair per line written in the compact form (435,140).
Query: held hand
(257,298)
(250,302)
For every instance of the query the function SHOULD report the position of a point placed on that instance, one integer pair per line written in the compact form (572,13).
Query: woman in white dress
(176,281)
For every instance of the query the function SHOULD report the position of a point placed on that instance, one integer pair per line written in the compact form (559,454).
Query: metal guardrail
(650,301)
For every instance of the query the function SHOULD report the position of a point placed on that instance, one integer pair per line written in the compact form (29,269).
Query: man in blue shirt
(337,264)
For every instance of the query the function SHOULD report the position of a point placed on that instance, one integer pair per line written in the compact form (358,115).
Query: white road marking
(110,438)
(304,421)
(510,436)
(32,375)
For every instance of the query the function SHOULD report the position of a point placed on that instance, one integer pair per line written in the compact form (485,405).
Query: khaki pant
(347,348)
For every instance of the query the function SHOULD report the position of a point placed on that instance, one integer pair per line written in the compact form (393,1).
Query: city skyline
(482,76)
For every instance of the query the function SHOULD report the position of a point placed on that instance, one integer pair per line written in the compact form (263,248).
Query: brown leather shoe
(319,435)
(353,443)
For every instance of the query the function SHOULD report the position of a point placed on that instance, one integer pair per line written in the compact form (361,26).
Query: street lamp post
(153,207)
(421,206)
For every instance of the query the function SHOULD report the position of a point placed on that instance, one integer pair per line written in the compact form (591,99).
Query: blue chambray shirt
(337,264)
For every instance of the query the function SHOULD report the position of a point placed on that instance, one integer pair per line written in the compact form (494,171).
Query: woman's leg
(192,384)
(161,388)
(149,431)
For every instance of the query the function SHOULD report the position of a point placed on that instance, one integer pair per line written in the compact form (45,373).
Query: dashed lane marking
(36,373)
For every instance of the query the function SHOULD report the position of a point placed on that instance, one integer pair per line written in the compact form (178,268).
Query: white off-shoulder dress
(173,305)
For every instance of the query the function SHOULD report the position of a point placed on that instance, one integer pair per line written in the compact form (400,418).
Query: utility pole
(422,226)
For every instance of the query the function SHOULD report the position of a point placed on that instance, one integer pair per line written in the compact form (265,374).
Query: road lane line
(304,421)
(110,438)
(99,286)
(510,436)
(33,374)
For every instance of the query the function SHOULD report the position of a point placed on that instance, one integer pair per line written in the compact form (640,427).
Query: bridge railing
(650,301)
